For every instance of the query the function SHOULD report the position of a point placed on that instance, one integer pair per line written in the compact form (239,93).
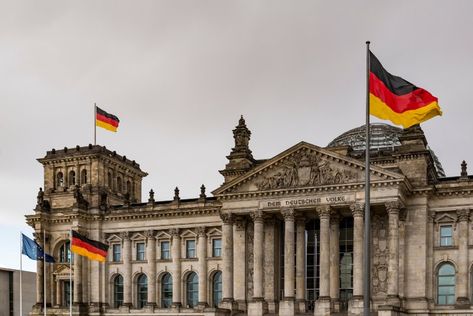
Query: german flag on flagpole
(94,250)
(106,120)
(395,99)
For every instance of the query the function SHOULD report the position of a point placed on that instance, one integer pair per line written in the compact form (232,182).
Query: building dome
(383,137)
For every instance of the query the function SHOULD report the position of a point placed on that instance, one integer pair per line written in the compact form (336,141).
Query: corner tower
(92,174)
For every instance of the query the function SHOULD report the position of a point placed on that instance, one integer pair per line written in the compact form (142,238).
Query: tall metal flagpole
(367,237)
(44,272)
(21,276)
(70,273)
(95,124)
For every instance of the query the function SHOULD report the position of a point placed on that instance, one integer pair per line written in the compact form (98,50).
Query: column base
(287,307)
(355,305)
(228,303)
(462,303)
(322,306)
(241,305)
(258,307)
(335,302)
(201,306)
(301,305)
(393,300)
(125,308)
(273,306)
(388,310)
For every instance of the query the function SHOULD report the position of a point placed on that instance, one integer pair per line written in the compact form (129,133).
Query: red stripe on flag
(79,243)
(107,120)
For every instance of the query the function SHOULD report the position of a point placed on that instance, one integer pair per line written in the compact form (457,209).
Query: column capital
(300,218)
(227,218)
(125,235)
(288,214)
(150,233)
(201,231)
(257,216)
(463,215)
(334,217)
(393,207)
(240,222)
(174,232)
(324,211)
(357,209)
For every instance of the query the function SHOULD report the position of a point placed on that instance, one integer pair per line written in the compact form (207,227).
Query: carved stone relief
(306,169)
(380,255)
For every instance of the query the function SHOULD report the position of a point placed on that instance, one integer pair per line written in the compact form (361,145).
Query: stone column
(47,291)
(58,293)
(227,260)
(95,276)
(39,274)
(258,306)
(202,255)
(335,261)
(393,262)
(462,278)
(176,268)
(323,303)
(300,264)
(239,262)
(287,305)
(77,295)
(151,257)
(127,283)
(356,303)
(271,264)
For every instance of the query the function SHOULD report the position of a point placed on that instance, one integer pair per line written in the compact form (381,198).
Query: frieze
(308,201)
(306,169)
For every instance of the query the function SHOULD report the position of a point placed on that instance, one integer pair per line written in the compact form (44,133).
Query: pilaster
(462,280)
(151,257)
(392,208)
(287,305)
(258,305)
(323,304)
(355,305)
(176,268)
(335,261)
(227,261)
(202,255)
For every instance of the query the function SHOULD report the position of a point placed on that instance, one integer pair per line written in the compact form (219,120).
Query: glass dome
(383,137)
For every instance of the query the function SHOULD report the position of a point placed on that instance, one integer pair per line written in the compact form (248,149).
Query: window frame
(217,300)
(141,291)
(162,251)
(118,302)
(137,252)
(214,253)
(447,238)
(164,302)
(188,249)
(192,294)
(114,253)
(439,286)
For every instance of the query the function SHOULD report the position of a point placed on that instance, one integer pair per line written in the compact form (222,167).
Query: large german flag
(106,120)
(94,250)
(395,99)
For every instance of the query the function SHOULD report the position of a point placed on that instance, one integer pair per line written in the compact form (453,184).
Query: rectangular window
(190,249)
(140,251)
(117,252)
(165,254)
(216,248)
(446,235)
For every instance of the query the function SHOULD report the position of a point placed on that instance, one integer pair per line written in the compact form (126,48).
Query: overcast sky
(179,74)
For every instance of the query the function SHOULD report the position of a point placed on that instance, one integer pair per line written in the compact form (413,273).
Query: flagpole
(367,237)
(70,273)
(44,271)
(21,276)
(95,124)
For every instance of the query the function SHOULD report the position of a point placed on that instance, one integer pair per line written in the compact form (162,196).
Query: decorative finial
(464,172)
(202,192)
(151,196)
(176,194)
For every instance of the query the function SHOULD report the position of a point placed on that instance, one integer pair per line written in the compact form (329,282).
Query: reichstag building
(280,236)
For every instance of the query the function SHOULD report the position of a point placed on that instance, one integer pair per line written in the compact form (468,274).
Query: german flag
(94,250)
(106,120)
(395,99)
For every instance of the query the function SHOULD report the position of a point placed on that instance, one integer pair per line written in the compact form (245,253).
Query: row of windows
(191,290)
(166,250)
(71,179)
(129,185)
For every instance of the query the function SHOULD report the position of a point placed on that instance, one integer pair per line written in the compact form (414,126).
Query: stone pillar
(202,270)
(127,283)
(322,306)
(151,257)
(58,294)
(300,264)
(462,278)
(47,291)
(239,262)
(356,303)
(227,260)
(271,264)
(39,281)
(287,305)
(95,280)
(335,261)
(258,306)
(176,268)
(77,296)
(393,243)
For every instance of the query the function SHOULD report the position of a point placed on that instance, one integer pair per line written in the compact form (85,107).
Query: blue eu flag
(33,250)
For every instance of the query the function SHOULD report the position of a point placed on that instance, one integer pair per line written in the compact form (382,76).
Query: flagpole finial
(368,42)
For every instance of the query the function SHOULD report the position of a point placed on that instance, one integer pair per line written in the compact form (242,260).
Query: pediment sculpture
(306,169)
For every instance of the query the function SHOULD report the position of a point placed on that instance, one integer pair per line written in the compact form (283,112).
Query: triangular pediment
(303,166)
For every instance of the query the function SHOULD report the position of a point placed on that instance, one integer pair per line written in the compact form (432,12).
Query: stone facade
(281,236)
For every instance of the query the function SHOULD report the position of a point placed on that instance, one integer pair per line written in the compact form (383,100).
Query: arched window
(446,284)
(217,288)
(128,187)
(166,291)
(72,177)
(142,291)
(65,252)
(192,289)
(83,176)
(119,184)
(118,291)
(110,180)
(59,179)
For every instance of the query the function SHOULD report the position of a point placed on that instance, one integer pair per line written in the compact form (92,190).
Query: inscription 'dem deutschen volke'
(306,201)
